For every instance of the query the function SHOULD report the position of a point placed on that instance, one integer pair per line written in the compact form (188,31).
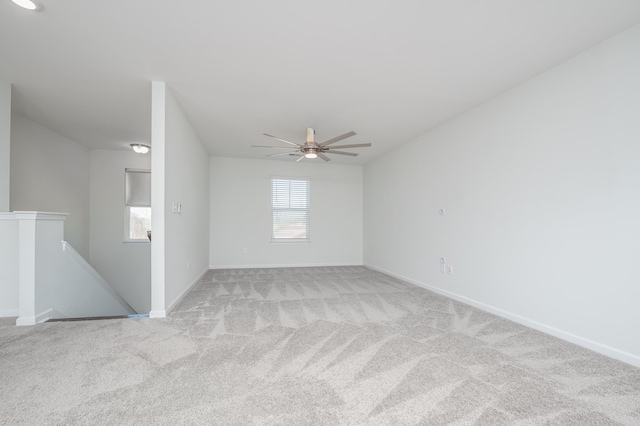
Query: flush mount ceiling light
(28,4)
(140,148)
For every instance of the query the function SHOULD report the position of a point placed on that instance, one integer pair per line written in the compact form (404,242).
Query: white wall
(241,214)
(8,265)
(56,282)
(126,266)
(51,173)
(5,145)
(76,290)
(8,224)
(541,191)
(158,120)
(186,182)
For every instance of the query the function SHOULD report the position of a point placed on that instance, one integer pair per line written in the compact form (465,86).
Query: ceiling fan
(312,149)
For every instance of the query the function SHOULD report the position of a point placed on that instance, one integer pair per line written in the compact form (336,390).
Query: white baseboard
(184,293)
(158,314)
(41,317)
(283,265)
(26,321)
(44,316)
(47,315)
(9,313)
(609,351)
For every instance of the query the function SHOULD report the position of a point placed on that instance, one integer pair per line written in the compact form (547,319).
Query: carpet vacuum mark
(321,346)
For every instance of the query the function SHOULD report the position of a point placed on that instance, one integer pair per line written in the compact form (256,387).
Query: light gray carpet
(343,345)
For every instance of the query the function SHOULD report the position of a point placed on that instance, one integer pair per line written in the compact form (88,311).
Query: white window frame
(306,239)
(127,211)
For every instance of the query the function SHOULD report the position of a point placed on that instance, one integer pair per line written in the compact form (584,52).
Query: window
(137,205)
(289,210)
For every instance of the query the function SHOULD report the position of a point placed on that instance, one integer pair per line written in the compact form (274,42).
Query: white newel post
(26,268)
(39,235)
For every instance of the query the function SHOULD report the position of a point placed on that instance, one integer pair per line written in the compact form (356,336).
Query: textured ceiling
(388,70)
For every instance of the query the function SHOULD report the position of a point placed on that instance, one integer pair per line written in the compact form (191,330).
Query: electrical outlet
(245,251)
(450,270)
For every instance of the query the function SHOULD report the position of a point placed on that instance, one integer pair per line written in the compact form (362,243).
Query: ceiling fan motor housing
(310,150)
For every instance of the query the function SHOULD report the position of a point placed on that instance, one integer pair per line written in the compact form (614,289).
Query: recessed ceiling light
(28,4)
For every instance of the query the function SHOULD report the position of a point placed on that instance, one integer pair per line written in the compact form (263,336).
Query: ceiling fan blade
(280,139)
(301,157)
(324,157)
(338,138)
(281,153)
(265,146)
(355,145)
(353,154)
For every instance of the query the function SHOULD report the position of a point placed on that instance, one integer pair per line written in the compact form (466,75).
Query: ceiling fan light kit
(312,149)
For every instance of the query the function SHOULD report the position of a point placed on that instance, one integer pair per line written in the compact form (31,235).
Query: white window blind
(289,209)
(138,188)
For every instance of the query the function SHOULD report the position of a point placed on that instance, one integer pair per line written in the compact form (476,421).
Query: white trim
(47,315)
(290,177)
(35,215)
(609,351)
(9,313)
(25,321)
(129,169)
(184,293)
(26,272)
(158,314)
(285,265)
(39,318)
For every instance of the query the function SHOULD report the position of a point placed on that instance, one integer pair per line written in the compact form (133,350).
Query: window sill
(290,240)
